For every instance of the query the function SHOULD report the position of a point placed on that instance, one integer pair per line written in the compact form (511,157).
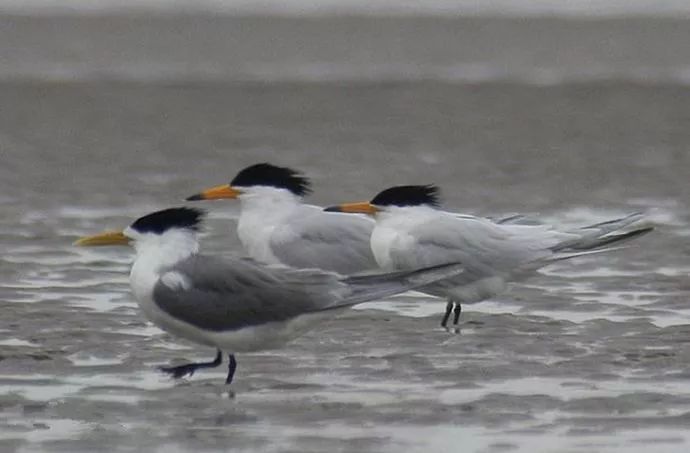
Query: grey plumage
(501,252)
(486,248)
(601,234)
(237,304)
(221,295)
(311,238)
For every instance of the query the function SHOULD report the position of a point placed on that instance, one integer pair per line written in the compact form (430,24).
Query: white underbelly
(474,291)
(270,335)
(252,338)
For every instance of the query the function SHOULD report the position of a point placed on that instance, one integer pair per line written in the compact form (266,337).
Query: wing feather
(227,295)
(325,240)
(483,247)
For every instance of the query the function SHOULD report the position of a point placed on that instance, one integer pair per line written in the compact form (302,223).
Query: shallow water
(591,355)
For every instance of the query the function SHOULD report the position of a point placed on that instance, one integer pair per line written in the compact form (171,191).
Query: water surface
(105,120)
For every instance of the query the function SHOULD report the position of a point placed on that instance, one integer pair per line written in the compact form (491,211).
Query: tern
(276,227)
(412,231)
(237,304)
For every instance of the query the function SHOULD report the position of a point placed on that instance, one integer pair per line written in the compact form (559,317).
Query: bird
(277,227)
(413,231)
(236,304)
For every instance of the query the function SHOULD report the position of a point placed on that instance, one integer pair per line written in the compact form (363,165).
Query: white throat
(405,216)
(392,232)
(155,254)
(263,208)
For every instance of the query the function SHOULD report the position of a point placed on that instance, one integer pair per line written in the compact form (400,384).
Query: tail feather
(593,239)
(604,241)
(513,218)
(599,234)
(528,268)
(516,219)
(569,255)
(616,224)
(364,288)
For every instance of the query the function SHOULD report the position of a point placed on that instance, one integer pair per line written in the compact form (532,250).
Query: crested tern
(276,227)
(237,304)
(412,231)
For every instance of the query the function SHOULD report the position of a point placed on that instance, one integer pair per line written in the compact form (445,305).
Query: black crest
(270,175)
(408,196)
(161,221)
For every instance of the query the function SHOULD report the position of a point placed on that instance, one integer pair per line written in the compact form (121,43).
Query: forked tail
(594,239)
(603,234)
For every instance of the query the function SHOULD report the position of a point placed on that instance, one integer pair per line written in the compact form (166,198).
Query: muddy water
(591,355)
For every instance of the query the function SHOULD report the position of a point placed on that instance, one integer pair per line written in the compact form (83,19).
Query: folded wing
(325,240)
(221,295)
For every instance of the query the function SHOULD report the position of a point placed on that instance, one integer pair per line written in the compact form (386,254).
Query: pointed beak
(362,207)
(226,191)
(107,238)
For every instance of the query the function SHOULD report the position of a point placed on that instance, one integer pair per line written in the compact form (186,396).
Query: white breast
(143,279)
(255,235)
(392,241)
(155,254)
(263,210)
(382,242)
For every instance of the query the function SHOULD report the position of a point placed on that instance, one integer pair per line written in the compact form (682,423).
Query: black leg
(449,308)
(190,368)
(231,368)
(458,310)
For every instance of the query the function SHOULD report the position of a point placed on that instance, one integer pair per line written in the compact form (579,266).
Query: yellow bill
(107,238)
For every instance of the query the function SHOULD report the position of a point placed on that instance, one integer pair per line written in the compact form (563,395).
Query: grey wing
(483,247)
(508,219)
(326,240)
(516,219)
(221,295)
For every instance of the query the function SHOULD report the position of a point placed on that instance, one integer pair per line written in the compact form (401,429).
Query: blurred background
(542,102)
(574,110)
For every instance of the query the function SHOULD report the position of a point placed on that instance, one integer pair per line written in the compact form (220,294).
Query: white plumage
(411,231)
(237,304)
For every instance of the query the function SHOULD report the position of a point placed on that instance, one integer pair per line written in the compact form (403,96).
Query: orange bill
(361,207)
(225,191)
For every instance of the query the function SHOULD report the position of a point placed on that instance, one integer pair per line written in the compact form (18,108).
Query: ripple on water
(80,359)
(17,342)
(148,330)
(49,388)
(53,281)
(351,389)
(101,302)
(40,430)
(79,257)
(582,291)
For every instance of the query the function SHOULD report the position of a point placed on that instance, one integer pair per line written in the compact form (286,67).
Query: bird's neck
(405,216)
(158,253)
(268,200)
(393,226)
(262,211)
(167,249)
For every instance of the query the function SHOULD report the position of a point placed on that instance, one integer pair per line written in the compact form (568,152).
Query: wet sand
(591,356)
